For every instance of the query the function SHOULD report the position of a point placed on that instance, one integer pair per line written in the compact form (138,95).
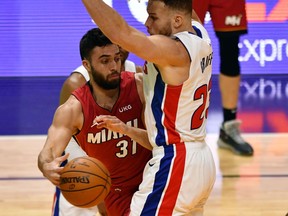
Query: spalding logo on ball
(85,182)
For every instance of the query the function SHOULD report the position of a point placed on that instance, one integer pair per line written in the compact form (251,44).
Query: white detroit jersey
(178,113)
(180,176)
(82,70)
(129,66)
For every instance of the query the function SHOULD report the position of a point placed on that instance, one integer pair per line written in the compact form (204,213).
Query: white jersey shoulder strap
(82,70)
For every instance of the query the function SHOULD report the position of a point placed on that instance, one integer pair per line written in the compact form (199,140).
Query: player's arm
(139,69)
(161,50)
(138,135)
(67,119)
(114,124)
(74,81)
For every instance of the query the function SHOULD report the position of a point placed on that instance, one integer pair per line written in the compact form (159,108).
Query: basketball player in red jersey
(78,78)
(107,92)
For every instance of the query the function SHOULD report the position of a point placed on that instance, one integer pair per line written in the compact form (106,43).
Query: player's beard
(104,82)
(167,30)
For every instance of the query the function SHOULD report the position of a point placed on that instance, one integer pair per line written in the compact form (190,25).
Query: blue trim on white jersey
(58,192)
(161,178)
(56,204)
(198,32)
(157,101)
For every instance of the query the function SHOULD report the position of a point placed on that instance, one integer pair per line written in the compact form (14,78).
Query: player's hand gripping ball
(85,182)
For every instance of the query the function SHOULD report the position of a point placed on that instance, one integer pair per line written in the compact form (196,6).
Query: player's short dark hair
(94,37)
(182,5)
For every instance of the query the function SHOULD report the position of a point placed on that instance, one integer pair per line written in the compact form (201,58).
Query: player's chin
(113,83)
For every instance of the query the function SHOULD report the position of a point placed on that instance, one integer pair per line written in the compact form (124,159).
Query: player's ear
(178,20)
(86,64)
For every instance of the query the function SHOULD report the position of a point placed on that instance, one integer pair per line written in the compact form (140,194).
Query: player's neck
(184,27)
(105,98)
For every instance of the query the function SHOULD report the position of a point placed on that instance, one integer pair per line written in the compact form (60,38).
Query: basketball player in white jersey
(61,207)
(177,84)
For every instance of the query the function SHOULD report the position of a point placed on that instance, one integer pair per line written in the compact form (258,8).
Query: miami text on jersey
(105,135)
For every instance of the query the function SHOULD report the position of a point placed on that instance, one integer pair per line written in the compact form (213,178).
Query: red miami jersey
(124,158)
(176,114)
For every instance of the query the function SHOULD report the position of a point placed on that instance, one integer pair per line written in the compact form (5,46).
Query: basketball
(85,182)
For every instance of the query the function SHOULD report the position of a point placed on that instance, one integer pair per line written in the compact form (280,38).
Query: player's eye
(117,59)
(153,18)
(105,61)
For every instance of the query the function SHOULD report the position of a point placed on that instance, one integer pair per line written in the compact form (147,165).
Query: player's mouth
(114,76)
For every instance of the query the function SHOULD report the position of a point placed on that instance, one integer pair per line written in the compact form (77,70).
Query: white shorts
(63,208)
(176,181)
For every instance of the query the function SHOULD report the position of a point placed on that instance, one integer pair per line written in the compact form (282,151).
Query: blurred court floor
(250,186)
